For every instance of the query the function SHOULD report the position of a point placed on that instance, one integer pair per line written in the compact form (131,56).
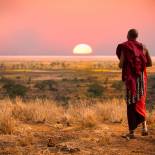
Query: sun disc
(82,49)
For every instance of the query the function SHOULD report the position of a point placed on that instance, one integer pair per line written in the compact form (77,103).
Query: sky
(55,27)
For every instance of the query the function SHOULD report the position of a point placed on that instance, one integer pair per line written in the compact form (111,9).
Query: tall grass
(7,121)
(83,113)
(37,111)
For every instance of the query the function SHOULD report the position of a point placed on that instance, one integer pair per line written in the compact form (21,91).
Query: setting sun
(82,49)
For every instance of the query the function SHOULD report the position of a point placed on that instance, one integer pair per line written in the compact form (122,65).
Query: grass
(29,127)
(83,114)
(112,110)
(37,111)
(7,121)
(151,118)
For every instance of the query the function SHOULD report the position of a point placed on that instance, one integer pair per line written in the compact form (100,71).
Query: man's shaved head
(132,34)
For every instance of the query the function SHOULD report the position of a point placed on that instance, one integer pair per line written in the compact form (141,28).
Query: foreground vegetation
(83,114)
(46,128)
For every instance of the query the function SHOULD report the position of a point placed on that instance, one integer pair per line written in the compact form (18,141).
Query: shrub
(13,90)
(46,85)
(95,90)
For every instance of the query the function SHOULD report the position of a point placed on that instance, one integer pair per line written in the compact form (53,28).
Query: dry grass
(26,140)
(151,118)
(90,115)
(7,122)
(104,139)
(83,113)
(37,112)
(112,110)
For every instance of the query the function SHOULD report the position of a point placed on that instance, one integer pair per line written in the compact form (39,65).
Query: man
(134,58)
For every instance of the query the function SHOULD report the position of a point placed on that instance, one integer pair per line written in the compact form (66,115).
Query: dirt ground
(104,139)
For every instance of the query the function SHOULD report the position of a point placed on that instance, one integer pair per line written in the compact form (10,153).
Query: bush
(46,85)
(95,90)
(13,90)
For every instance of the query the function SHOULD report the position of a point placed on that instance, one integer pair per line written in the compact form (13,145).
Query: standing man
(134,58)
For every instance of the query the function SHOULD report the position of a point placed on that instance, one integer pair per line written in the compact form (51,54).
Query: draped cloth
(136,109)
(135,78)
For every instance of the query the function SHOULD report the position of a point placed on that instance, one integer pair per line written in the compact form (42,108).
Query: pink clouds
(56,26)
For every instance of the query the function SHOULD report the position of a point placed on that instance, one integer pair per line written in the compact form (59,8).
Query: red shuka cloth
(140,104)
(136,113)
(134,62)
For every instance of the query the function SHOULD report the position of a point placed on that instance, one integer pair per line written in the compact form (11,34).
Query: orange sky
(54,27)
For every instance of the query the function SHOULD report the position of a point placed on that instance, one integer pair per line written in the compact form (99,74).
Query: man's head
(132,34)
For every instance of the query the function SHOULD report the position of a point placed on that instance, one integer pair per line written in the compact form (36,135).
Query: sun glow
(82,49)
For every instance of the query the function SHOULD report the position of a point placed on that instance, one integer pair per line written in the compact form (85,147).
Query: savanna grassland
(56,106)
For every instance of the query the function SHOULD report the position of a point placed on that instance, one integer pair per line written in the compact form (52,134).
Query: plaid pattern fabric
(139,91)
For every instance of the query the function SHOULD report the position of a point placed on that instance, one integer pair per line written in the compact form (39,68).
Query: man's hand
(121,60)
(148,57)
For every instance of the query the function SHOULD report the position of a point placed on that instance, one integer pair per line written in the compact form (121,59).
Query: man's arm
(148,57)
(121,60)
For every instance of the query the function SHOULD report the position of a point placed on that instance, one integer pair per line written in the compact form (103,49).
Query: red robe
(134,64)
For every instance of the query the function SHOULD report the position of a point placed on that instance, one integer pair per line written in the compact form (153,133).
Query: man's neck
(130,39)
